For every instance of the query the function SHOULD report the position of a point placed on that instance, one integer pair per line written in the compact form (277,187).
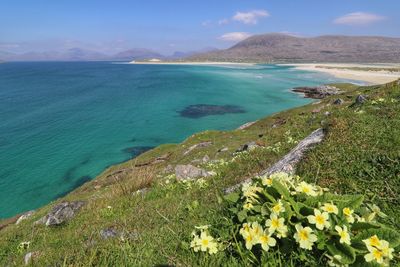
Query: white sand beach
(360,72)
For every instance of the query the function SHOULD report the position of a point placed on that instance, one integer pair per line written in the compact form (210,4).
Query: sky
(111,26)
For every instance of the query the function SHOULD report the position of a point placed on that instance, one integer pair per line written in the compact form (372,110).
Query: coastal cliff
(142,212)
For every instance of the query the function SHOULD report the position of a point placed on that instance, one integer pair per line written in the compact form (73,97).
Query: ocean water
(61,124)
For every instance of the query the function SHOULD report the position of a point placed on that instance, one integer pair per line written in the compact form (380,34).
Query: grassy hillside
(360,154)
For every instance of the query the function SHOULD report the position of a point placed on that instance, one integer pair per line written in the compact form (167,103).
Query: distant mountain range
(286,48)
(78,54)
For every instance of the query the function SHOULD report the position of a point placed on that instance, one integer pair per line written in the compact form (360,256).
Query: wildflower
(335,261)
(204,242)
(202,227)
(251,234)
(373,241)
(307,189)
(276,224)
(245,229)
(305,237)
(330,208)
(343,233)
(24,245)
(248,206)
(386,249)
(266,241)
(266,181)
(321,220)
(250,191)
(348,213)
(278,207)
(374,254)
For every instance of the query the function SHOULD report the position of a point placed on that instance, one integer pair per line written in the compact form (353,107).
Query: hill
(140,213)
(285,48)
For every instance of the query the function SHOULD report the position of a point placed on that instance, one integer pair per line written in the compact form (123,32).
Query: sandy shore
(347,71)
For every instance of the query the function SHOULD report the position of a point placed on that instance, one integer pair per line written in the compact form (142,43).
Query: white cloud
(251,17)
(223,21)
(234,36)
(358,18)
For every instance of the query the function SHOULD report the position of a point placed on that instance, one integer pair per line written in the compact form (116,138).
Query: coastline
(372,74)
(211,63)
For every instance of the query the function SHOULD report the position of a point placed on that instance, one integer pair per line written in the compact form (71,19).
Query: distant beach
(370,73)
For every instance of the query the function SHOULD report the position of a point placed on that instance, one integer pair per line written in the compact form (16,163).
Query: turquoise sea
(61,124)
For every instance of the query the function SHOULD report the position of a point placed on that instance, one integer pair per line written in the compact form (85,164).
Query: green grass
(361,154)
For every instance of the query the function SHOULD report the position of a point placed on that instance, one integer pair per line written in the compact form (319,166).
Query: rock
(24,216)
(246,125)
(278,123)
(141,191)
(109,233)
(223,149)
(288,162)
(361,99)
(205,159)
(338,101)
(169,169)
(327,113)
(30,256)
(246,147)
(318,92)
(317,110)
(202,144)
(187,172)
(61,213)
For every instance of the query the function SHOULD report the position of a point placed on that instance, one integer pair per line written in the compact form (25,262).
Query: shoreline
(211,63)
(373,74)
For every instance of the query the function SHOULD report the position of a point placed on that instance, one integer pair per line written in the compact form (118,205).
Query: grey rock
(169,169)
(246,125)
(199,145)
(361,99)
(318,92)
(187,172)
(247,146)
(142,191)
(61,213)
(109,233)
(30,256)
(205,159)
(338,101)
(288,162)
(223,149)
(25,216)
(327,113)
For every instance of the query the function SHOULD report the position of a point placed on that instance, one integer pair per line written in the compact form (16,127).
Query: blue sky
(184,25)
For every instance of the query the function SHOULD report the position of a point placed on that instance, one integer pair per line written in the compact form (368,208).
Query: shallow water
(61,124)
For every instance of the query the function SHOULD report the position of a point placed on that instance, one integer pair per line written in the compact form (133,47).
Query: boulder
(248,146)
(223,149)
(109,233)
(318,92)
(24,216)
(360,99)
(246,125)
(338,101)
(61,213)
(205,159)
(188,172)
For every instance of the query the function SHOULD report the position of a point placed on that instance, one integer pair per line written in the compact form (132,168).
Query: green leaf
(242,215)
(353,202)
(357,226)
(232,197)
(390,235)
(347,253)
(360,262)
(286,194)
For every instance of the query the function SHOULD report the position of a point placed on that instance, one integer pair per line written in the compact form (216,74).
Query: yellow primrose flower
(245,229)
(275,224)
(349,215)
(330,208)
(248,206)
(207,242)
(305,237)
(195,244)
(250,191)
(307,189)
(375,254)
(373,241)
(278,207)
(256,229)
(386,249)
(321,220)
(343,233)
(250,240)
(266,241)
(251,234)
(266,181)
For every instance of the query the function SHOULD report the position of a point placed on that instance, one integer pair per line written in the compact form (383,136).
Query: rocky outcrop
(246,125)
(360,99)
(188,172)
(24,216)
(248,146)
(338,101)
(288,162)
(61,213)
(318,92)
(199,145)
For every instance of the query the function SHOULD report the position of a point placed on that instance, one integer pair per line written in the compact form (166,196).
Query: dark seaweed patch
(202,110)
